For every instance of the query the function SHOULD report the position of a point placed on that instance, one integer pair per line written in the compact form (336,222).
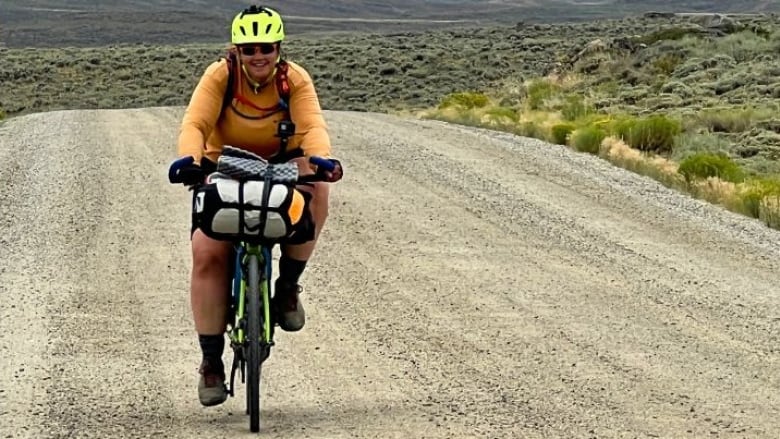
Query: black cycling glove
(190,174)
(331,176)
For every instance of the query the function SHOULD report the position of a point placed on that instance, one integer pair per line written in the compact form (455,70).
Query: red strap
(282,83)
(241,98)
(282,86)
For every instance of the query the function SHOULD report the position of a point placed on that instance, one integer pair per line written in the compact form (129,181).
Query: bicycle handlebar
(176,166)
(179,165)
(329,165)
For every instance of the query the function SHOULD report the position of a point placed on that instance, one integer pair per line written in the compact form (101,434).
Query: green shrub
(730,120)
(561,132)
(756,191)
(501,118)
(465,100)
(621,125)
(587,139)
(665,64)
(531,129)
(704,164)
(678,88)
(2,114)
(502,112)
(575,108)
(742,46)
(539,91)
(654,133)
(689,143)
(673,33)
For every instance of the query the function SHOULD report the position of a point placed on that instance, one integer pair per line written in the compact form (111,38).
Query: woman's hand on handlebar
(191,174)
(185,171)
(330,170)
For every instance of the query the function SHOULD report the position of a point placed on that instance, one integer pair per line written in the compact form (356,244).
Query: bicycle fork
(237,313)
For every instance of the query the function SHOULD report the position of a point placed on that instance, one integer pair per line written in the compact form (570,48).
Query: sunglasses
(251,49)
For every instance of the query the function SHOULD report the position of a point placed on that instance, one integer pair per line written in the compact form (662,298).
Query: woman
(253,120)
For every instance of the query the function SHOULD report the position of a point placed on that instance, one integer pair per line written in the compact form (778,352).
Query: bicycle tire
(253,341)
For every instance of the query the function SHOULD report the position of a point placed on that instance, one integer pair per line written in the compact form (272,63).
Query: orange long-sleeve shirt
(202,134)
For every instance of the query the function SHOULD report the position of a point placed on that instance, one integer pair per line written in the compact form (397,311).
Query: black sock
(212,347)
(290,269)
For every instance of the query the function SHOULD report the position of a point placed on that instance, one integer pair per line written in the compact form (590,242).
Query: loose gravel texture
(467,284)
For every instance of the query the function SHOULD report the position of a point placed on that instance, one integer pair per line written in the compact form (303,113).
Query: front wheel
(253,341)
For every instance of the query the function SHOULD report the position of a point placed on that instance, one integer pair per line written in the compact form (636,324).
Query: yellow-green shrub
(531,128)
(620,125)
(587,139)
(705,164)
(502,112)
(539,91)
(603,121)
(755,191)
(654,133)
(501,118)
(769,211)
(465,100)
(575,108)
(561,131)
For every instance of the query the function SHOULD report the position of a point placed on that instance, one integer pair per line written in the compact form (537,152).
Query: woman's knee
(320,200)
(208,254)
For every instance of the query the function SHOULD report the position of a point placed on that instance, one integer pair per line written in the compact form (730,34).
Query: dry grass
(735,197)
(770,211)
(717,191)
(661,169)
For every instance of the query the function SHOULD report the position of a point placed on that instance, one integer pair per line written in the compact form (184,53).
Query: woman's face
(259,59)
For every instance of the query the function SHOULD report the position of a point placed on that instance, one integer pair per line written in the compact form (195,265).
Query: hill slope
(89,23)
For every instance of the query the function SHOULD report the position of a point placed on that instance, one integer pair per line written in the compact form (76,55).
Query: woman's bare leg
(209,292)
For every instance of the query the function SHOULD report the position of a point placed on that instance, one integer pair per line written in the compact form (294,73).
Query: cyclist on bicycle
(255,120)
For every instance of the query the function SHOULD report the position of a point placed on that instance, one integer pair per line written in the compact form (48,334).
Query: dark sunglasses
(251,49)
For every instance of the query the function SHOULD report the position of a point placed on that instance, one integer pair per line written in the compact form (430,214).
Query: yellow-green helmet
(257,24)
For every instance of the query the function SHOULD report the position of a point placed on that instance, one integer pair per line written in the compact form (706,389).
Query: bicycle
(250,325)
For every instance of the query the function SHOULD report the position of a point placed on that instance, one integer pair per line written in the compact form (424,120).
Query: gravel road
(468,284)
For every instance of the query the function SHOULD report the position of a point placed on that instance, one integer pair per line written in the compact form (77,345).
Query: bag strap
(264,202)
(282,87)
(231,91)
(283,83)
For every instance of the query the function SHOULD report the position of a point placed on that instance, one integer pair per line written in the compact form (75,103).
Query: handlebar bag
(254,211)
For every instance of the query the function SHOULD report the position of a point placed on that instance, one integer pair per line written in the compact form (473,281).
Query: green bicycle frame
(251,263)
(242,253)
